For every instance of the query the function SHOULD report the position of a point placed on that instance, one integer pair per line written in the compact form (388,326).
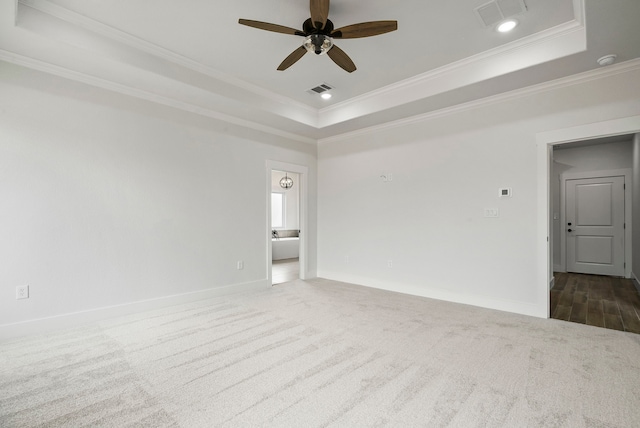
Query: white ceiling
(193,55)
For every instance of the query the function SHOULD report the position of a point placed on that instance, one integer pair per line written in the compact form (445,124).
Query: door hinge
(624,225)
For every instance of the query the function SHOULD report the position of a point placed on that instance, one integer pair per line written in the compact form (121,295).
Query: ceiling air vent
(323,87)
(495,11)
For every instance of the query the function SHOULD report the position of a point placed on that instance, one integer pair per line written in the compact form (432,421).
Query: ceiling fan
(319,33)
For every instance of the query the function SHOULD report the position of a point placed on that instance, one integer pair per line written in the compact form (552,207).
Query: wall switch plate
(240,265)
(22,292)
(491,212)
(389,263)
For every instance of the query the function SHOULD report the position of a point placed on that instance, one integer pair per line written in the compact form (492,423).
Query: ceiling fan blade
(319,13)
(365,29)
(341,58)
(271,27)
(292,58)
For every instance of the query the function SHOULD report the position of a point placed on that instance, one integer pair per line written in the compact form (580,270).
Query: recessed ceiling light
(326,96)
(507,26)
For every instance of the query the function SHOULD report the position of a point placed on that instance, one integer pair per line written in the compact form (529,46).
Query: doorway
(286,221)
(285,226)
(589,285)
(549,221)
(591,206)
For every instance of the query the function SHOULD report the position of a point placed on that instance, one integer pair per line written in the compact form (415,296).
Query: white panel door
(595,225)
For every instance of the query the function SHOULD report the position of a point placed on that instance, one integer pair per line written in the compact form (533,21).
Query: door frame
(544,154)
(627,173)
(303,172)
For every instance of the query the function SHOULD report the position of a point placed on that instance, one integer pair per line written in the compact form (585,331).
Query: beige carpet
(320,353)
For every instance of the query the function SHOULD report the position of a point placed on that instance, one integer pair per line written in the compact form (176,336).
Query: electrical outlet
(389,263)
(346,259)
(22,292)
(491,212)
(240,265)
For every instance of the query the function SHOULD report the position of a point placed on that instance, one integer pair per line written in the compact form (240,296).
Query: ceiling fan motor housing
(309,28)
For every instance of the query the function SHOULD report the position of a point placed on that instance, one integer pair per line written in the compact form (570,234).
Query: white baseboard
(309,275)
(524,308)
(76,319)
(635,280)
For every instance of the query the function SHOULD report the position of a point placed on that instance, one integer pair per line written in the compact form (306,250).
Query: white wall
(447,168)
(598,157)
(106,201)
(291,198)
(635,269)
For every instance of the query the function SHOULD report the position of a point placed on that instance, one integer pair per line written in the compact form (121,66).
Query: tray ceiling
(195,56)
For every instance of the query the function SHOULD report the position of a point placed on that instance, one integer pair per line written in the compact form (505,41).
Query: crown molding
(567,28)
(469,61)
(578,11)
(310,114)
(564,82)
(85,78)
(585,77)
(547,45)
(543,46)
(556,42)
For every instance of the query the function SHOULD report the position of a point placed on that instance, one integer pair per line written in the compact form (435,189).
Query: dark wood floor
(600,301)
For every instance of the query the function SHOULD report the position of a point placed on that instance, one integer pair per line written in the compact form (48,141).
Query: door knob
(569,230)
(569,224)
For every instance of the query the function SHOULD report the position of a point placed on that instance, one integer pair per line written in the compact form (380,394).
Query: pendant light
(286,182)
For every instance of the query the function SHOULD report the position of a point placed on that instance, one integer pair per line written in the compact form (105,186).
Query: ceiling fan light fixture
(319,44)
(506,26)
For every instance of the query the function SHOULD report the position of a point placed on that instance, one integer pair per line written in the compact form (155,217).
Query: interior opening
(285,226)
(593,199)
